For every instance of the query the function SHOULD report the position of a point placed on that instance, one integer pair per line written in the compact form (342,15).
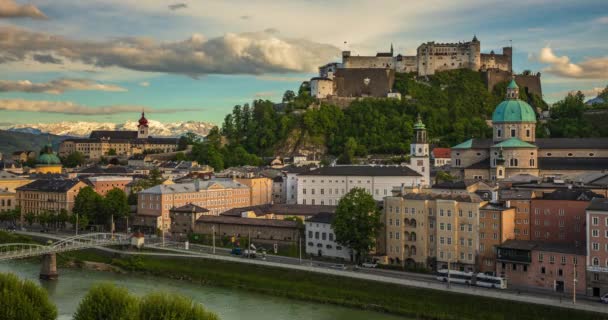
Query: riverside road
(178,250)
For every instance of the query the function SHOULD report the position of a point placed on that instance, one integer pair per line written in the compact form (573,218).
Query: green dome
(513,110)
(48,156)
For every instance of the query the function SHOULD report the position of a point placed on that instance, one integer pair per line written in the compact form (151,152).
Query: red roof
(442,153)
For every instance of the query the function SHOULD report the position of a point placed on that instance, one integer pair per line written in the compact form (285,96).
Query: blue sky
(197,61)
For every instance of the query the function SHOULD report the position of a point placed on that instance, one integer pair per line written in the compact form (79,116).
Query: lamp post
(213,238)
(574,286)
(76,223)
(300,247)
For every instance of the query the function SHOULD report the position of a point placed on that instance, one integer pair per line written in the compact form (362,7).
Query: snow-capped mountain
(83,128)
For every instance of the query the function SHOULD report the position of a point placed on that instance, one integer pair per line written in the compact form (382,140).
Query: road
(177,249)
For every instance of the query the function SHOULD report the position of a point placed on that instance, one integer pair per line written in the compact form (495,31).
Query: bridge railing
(24,250)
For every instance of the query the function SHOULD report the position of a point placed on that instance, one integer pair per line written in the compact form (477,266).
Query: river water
(229,304)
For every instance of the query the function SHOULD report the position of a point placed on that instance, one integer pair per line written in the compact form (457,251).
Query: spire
(143,121)
(475,38)
(419,125)
(391,48)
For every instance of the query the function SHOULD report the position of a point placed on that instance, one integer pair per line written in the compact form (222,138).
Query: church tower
(419,152)
(142,127)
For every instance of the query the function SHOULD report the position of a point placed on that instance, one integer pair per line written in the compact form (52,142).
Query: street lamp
(213,239)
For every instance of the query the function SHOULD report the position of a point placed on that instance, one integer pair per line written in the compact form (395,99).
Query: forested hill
(14,141)
(454,105)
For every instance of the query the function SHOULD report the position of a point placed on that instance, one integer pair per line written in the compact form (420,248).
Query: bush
(22,299)
(161,306)
(107,302)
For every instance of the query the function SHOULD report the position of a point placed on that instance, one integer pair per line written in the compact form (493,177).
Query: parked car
(250,254)
(369,265)
(604,298)
(338,266)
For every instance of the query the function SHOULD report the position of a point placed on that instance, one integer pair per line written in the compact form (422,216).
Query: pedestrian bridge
(10,251)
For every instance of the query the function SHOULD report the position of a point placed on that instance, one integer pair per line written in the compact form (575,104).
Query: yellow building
(426,228)
(48,195)
(260,190)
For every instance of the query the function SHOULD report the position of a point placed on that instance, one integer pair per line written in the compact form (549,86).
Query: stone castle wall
(529,83)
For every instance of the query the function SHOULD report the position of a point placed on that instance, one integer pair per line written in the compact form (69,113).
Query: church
(514,148)
(119,143)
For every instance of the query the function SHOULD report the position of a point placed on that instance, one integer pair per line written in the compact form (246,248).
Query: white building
(327,185)
(321,240)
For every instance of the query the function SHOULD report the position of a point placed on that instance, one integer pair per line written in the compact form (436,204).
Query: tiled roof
(281,209)
(572,195)
(5,175)
(599,204)
(275,223)
(475,143)
(483,164)
(572,163)
(572,143)
(441,152)
(190,208)
(567,248)
(362,171)
(50,185)
(513,143)
(192,187)
(322,217)
(435,196)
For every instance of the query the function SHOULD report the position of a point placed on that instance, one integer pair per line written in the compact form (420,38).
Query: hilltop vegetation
(14,141)
(454,105)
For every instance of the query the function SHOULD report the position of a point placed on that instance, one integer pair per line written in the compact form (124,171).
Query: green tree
(62,218)
(348,156)
(112,152)
(83,221)
(24,300)
(88,203)
(357,222)
(162,306)
(180,156)
(107,302)
(74,159)
(116,204)
(30,218)
(289,96)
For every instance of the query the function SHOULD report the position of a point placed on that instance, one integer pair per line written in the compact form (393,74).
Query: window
(324,236)
(470,242)
(449,227)
(563,259)
(595,262)
(542,270)
(528,133)
(317,235)
(331,237)
(397,235)
(531,162)
(498,133)
(310,234)
(442,240)
(512,132)
(513,162)
(441,226)
(595,246)
(595,233)
(595,221)
(540,257)
(551,259)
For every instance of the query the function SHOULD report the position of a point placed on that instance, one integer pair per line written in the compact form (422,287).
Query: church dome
(143,121)
(513,109)
(48,157)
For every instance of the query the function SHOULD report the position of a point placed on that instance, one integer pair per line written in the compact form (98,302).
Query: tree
(107,302)
(289,96)
(116,204)
(112,152)
(357,222)
(88,204)
(62,218)
(443,176)
(180,156)
(24,300)
(30,218)
(162,306)
(74,159)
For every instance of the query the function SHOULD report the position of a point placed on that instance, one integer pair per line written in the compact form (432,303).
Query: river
(229,304)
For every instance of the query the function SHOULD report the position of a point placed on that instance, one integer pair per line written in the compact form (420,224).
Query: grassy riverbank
(411,302)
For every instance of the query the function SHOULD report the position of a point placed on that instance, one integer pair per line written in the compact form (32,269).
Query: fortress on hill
(373,76)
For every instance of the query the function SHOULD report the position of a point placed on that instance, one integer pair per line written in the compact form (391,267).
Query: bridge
(10,251)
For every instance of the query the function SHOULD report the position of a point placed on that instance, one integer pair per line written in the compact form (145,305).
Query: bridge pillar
(48,271)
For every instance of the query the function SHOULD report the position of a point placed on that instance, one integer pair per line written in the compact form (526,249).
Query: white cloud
(68,107)
(602,20)
(144,84)
(589,93)
(11,9)
(244,53)
(265,94)
(57,86)
(280,78)
(589,68)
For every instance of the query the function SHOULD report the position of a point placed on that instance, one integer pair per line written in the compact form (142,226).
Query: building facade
(119,143)
(51,195)
(103,184)
(260,189)
(217,196)
(559,216)
(268,231)
(597,247)
(432,229)
(183,219)
(496,225)
(549,266)
(321,240)
(521,201)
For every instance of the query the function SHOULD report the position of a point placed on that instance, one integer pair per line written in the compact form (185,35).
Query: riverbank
(361,294)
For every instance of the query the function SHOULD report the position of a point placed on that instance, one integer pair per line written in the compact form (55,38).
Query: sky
(106,60)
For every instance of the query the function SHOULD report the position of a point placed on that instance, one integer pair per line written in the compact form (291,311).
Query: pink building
(597,247)
(103,184)
(541,265)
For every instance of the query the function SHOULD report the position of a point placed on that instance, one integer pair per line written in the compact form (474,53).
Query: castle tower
(142,127)
(419,152)
(475,54)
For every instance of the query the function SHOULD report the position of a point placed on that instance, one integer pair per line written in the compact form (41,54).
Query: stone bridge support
(48,270)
